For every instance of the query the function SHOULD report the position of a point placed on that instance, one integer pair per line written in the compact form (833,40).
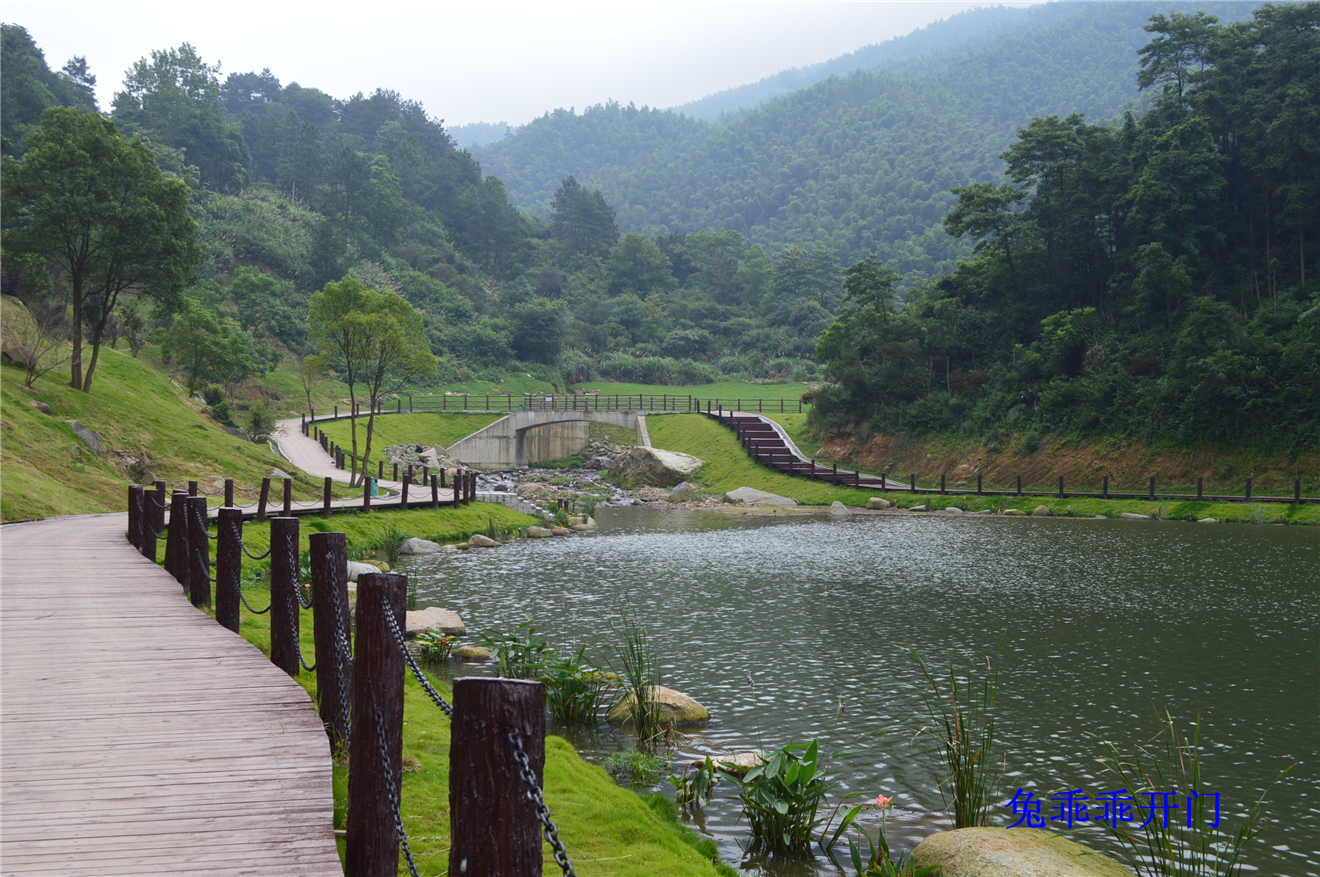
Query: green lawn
(608,830)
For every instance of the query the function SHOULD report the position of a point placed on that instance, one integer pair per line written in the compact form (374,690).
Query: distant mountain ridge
(861,163)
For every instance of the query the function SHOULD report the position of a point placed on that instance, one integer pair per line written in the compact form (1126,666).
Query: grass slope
(728,467)
(137,412)
(608,830)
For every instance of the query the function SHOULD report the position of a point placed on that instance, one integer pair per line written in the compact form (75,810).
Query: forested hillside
(1155,278)
(861,163)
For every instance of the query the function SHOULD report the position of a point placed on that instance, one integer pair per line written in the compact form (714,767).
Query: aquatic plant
(1257,512)
(575,689)
(640,676)
(633,766)
(879,862)
(434,645)
(963,725)
(519,658)
(1197,845)
(781,798)
(696,784)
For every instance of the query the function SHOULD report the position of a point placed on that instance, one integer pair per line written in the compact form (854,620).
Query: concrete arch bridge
(541,434)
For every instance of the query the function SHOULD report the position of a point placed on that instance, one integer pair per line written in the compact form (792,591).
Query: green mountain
(860,163)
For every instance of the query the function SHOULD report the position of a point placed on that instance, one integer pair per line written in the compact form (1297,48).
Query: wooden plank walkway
(137,736)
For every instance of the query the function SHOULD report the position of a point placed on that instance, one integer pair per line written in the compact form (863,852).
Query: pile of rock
(433,457)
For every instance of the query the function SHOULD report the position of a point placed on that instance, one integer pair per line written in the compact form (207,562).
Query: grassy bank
(608,831)
(728,467)
(140,415)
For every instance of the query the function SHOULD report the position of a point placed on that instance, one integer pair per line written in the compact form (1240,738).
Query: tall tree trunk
(75,380)
(366,452)
(352,424)
(98,332)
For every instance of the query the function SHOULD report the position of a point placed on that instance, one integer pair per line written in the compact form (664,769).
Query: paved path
(139,736)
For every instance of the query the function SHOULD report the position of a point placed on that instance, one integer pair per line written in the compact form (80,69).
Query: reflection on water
(1107,622)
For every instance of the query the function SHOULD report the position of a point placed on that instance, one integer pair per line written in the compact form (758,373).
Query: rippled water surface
(1106,622)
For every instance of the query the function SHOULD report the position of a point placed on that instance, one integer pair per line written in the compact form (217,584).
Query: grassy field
(730,390)
(728,467)
(138,413)
(608,830)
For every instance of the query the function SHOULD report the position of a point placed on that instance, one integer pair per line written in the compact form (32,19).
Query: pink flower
(882,802)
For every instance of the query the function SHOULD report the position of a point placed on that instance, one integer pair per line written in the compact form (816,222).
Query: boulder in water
(675,709)
(652,467)
(1012,852)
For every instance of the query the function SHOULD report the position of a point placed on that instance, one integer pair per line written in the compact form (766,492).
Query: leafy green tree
(176,97)
(205,349)
(28,87)
(539,327)
(95,205)
(638,266)
(582,222)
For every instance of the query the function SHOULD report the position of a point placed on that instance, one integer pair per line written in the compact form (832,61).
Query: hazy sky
(480,61)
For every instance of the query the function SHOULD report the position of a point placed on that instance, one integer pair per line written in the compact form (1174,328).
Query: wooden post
(1105,489)
(378,670)
(199,553)
(942,491)
(366,495)
(176,540)
(1061,496)
(426,475)
(913,478)
(330,618)
(456,491)
(493,827)
(149,530)
(396,472)
(1297,491)
(1248,490)
(1152,488)
(380,469)
(265,498)
(435,493)
(229,492)
(834,473)
(1200,487)
(192,488)
(283,594)
(336,411)
(325,502)
(288,497)
(228,567)
(978,483)
(403,499)
(158,507)
(135,511)
(1019,485)
(442,471)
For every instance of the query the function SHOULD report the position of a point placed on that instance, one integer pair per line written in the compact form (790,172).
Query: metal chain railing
(416,670)
(238,531)
(293,629)
(342,653)
(538,800)
(396,800)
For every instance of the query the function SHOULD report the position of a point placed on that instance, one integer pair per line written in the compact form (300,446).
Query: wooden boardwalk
(137,736)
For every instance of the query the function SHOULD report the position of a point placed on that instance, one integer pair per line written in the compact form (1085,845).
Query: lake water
(1106,621)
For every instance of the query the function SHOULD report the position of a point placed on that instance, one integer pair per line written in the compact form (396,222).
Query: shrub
(574,689)
(519,658)
(782,797)
(633,766)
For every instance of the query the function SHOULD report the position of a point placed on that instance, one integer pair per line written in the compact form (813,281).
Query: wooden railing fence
(766,445)
(494,402)
(497,725)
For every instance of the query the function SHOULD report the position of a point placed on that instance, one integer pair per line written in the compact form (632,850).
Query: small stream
(1106,622)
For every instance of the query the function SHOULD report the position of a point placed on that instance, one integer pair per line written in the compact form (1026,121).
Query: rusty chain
(416,670)
(396,799)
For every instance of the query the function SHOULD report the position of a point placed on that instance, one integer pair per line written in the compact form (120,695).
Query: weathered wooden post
(199,553)
(834,473)
(375,757)
(472,486)
(1061,496)
(192,488)
(493,825)
(325,502)
(403,497)
(158,508)
(1200,487)
(228,567)
(265,498)
(334,661)
(978,483)
(1152,488)
(435,493)
(1248,490)
(135,512)
(913,478)
(229,492)
(283,594)
(396,472)
(1105,488)
(176,540)
(942,491)
(366,495)
(1019,485)
(442,473)
(288,497)
(380,469)
(1297,491)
